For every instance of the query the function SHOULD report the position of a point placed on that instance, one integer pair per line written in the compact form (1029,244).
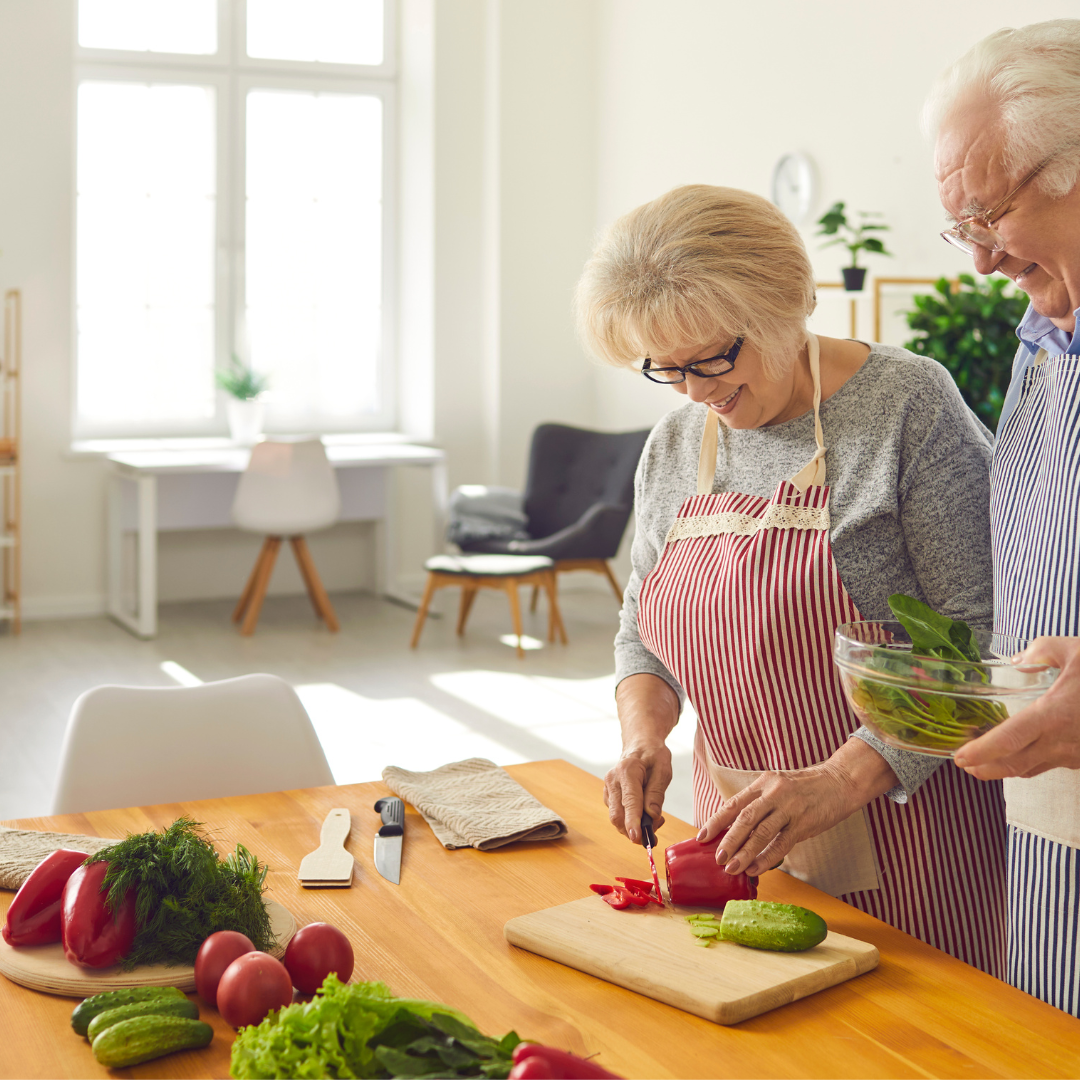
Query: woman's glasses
(708,368)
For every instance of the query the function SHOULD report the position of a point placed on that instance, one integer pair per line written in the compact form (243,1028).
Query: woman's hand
(777,810)
(648,710)
(1046,734)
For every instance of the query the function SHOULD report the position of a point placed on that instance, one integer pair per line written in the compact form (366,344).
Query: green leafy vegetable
(184,892)
(938,722)
(362,1030)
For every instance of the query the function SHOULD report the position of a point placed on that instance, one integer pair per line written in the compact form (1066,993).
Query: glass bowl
(923,703)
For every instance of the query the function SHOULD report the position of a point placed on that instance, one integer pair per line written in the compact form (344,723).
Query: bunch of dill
(184,892)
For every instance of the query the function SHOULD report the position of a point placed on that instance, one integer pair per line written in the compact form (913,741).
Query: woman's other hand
(648,710)
(1046,734)
(777,810)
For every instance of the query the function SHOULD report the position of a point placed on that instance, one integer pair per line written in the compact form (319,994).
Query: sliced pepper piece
(645,888)
(617,898)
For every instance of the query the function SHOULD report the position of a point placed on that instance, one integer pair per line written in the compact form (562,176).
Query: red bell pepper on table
(94,936)
(34,915)
(534,1062)
(696,880)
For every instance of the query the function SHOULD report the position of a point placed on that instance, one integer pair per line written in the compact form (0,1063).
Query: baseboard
(77,606)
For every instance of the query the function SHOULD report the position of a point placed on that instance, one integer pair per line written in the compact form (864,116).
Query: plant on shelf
(969,327)
(834,223)
(240,381)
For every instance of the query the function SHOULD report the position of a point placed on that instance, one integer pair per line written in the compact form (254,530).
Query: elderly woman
(803,482)
(1007,116)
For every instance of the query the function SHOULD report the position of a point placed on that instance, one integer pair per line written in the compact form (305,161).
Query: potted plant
(244,403)
(834,223)
(969,327)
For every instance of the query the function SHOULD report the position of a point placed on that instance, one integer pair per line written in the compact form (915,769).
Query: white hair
(1031,76)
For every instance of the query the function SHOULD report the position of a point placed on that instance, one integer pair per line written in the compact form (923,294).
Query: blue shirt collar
(1038,332)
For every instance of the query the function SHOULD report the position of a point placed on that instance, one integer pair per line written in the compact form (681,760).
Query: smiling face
(1042,234)
(745,397)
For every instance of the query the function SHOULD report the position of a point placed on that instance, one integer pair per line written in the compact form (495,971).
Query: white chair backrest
(139,746)
(288,489)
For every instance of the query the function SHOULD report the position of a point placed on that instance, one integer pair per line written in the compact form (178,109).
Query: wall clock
(793,186)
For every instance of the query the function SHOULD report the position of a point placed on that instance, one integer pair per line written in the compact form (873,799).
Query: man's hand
(1046,734)
(778,810)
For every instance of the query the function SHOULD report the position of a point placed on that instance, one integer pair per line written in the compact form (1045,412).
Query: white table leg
(440,501)
(146,613)
(115,547)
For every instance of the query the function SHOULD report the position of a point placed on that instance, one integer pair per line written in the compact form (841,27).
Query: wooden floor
(373,701)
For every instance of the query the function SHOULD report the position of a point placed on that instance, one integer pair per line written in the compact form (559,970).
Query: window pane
(331,31)
(144,278)
(170,26)
(314,251)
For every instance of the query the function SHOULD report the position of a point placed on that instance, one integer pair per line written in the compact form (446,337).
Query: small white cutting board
(652,952)
(45,967)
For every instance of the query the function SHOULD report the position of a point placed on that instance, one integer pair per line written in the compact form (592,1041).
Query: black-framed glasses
(708,368)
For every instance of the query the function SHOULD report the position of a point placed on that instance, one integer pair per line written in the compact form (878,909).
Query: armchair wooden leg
(319,600)
(555,623)
(468,595)
(532,602)
(511,587)
(258,591)
(421,614)
(249,588)
(611,577)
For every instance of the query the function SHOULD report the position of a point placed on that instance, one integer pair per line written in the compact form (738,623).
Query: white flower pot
(245,420)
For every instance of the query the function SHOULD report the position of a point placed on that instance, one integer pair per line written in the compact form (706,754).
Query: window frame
(233,75)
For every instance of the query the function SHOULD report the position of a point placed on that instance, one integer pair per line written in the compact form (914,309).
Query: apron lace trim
(777,516)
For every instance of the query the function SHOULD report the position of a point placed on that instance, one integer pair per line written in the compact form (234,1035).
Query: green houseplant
(970,328)
(244,405)
(834,222)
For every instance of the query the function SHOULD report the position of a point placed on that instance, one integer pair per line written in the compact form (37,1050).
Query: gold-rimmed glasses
(978,228)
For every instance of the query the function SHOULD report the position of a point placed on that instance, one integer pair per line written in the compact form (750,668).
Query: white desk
(153,490)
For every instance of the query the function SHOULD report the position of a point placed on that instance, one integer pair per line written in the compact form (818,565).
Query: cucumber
(86,1010)
(759,924)
(168,1006)
(145,1037)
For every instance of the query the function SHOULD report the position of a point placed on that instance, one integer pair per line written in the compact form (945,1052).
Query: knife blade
(648,840)
(388,839)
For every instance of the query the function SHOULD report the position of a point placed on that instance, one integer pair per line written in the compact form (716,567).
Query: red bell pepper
(94,936)
(34,915)
(695,879)
(644,888)
(530,1060)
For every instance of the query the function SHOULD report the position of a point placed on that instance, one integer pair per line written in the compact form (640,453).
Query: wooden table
(439,935)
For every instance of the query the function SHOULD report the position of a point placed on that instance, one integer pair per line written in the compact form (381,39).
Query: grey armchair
(577,499)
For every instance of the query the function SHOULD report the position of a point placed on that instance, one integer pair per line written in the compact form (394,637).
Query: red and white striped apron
(741,608)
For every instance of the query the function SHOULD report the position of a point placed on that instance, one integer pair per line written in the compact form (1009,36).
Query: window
(232,180)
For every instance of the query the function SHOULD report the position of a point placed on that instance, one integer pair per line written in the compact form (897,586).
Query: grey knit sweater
(908,467)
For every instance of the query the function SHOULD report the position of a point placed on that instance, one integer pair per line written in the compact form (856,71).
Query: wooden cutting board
(652,952)
(44,967)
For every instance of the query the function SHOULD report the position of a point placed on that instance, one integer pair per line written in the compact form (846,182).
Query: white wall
(715,91)
(530,124)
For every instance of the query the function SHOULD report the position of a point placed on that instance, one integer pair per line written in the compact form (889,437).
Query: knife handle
(392,811)
(335,829)
(648,836)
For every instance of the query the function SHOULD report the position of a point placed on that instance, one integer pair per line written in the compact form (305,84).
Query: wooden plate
(44,967)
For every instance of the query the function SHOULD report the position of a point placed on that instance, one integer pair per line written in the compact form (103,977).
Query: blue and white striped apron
(1035,519)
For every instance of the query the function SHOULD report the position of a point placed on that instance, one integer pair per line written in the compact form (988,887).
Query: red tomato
(216,953)
(252,986)
(314,952)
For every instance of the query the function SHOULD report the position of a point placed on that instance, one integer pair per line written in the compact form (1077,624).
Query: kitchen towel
(22,849)
(474,803)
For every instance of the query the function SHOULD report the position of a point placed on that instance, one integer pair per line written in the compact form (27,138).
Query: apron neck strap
(812,474)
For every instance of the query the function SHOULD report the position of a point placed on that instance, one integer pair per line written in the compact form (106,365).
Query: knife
(388,838)
(648,841)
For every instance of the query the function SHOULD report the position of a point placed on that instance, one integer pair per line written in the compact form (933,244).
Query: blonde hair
(1031,77)
(699,265)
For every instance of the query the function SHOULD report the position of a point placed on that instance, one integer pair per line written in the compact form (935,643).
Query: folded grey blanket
(474,803)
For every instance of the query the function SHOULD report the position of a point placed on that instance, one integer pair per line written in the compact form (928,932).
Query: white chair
(288,489)
(139,746)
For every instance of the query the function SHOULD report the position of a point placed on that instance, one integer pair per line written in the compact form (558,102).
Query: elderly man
(1007,118)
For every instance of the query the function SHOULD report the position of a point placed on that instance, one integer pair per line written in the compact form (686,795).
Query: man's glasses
(977,228)
(708,368)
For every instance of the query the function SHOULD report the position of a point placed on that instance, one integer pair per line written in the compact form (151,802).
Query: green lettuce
(361,1030)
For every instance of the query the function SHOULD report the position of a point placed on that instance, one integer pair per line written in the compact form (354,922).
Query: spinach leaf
(933,634)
